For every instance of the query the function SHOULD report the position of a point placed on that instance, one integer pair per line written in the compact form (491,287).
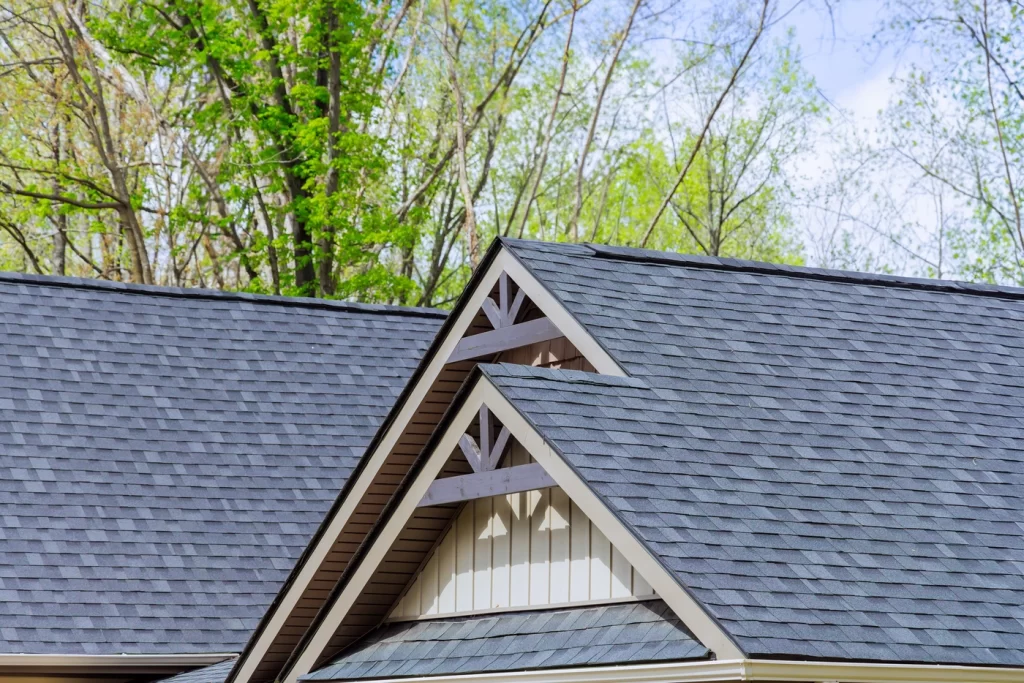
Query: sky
(837,50)
(856,76)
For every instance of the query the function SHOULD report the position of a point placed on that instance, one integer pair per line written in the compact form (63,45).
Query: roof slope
(165,455)
(630,633)
(832,464)
(214,673)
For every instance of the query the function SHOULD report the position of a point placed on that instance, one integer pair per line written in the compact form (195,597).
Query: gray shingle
(833,464)
(166,455)
(617,634)
(215,673)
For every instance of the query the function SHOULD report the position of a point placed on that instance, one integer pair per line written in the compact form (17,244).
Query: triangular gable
(287,624)
(383,558)
(520,550)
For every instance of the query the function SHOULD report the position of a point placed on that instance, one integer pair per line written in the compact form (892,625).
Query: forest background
(371,149)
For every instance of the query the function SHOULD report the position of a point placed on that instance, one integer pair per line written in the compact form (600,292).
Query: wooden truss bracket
(507,333)
(486,479)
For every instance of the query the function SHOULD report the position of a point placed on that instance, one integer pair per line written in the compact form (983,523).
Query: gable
(530,549)
(166,454)
(386,558)
(479,329)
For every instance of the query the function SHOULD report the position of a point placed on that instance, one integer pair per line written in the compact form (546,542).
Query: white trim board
(707,631)
(505,262)
(739,670)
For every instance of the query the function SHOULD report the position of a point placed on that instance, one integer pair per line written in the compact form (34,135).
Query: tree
(959,123)
(364,149)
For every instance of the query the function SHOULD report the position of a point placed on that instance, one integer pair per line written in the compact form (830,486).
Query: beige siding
(523,550)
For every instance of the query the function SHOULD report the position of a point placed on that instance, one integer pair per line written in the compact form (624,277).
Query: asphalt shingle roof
(832,464)
(215,673)
(577,636)
(166,455)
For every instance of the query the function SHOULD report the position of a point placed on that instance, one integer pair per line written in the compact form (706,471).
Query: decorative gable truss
(507,333)
(518,542)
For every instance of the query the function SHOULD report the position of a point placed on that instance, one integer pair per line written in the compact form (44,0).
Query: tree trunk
(326,241)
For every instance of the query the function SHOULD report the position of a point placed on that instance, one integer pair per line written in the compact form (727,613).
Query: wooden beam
(504,339)
(486,438)
(493,313)
(485,484)
(517,303)
(504,298)
(498,448)
(472,452)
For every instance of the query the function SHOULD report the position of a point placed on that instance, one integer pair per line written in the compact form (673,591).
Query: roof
(515,641)
(166,454)
(215,673)
(832,464)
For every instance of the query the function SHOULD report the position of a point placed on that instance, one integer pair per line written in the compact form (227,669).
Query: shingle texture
(579,636)
(215,673)
(833,465)
(165,456)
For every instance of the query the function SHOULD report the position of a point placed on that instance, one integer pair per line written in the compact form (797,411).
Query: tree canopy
(371,149)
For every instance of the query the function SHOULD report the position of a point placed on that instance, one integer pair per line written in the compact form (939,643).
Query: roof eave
(738,670)
(92,664)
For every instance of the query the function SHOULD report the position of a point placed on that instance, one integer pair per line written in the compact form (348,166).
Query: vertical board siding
(464,545)
(524,549)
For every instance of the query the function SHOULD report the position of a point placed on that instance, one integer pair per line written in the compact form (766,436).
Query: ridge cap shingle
(199,294)
(667,258)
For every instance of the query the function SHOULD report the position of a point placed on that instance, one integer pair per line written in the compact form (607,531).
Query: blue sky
(838,51)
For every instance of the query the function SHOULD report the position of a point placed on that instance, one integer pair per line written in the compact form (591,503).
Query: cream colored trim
(524,608)
(580,338)
(392,528)
(553,309)
(739,670)
(848,672)
(673,672)
(664,584)
(55,662)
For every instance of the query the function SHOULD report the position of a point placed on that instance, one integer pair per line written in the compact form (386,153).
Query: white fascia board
(548,304)
(670,672)
(738,670)
(667,587)
(51,662)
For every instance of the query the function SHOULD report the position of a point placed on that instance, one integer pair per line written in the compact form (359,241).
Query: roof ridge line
(215,295)
(804,272)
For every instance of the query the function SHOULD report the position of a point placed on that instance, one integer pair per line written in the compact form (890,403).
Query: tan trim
(843,672)
(740,670)
(551,307)
(673,672)
(706,629)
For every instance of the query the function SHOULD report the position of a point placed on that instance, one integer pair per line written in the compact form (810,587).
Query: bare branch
(707,125)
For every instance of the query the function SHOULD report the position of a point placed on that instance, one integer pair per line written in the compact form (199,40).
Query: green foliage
(309,147)
(959,122)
